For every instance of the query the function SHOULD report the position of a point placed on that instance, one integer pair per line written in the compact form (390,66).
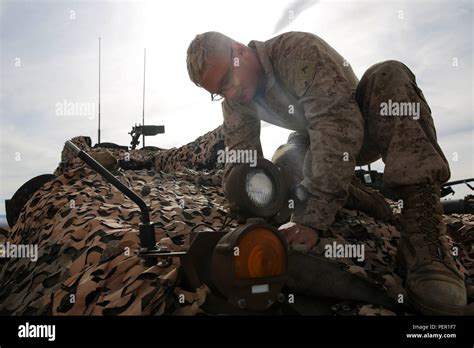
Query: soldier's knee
(391,65)
(395,67)
(390,70)
(388,66)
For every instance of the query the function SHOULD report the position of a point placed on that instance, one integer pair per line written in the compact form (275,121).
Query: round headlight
(259,187)
(258,191)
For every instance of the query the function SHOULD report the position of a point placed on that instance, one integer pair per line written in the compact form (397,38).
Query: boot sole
(417,302)
(438,309)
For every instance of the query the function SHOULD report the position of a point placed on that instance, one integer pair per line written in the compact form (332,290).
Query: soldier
(299,82)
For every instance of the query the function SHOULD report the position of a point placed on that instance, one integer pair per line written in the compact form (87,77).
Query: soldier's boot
(368,200)
(434,284)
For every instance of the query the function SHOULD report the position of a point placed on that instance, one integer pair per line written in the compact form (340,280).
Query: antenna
(98,130)
(143,111)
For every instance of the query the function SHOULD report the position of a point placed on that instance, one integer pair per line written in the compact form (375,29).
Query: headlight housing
(249,265)
(256,191)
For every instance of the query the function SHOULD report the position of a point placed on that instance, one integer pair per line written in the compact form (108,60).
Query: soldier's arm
(241,132)
(335,127)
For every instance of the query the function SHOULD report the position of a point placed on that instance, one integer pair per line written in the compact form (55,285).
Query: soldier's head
(224,67)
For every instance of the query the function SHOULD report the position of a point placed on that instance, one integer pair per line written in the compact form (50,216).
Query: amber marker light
(249,265)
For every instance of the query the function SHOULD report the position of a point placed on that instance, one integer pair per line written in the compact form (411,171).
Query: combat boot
(434,284)
(368,200)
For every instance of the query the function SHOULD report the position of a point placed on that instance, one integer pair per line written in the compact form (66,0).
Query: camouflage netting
(86,231)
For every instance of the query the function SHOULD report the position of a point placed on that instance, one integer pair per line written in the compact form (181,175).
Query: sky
(49,58)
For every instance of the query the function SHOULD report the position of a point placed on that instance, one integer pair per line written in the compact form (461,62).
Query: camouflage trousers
(398,128)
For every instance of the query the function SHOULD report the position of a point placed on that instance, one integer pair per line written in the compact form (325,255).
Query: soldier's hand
(299,236)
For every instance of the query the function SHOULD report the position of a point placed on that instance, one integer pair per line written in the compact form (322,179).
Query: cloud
(291,12)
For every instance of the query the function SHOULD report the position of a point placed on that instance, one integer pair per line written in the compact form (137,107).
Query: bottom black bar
(218,329)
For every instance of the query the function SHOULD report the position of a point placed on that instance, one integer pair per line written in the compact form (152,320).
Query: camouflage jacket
(310,88)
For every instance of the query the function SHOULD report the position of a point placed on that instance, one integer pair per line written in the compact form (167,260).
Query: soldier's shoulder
(287,44)
(292,37)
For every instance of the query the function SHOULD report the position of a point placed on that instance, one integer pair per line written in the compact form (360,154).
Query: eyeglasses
(216,97)
(227,82)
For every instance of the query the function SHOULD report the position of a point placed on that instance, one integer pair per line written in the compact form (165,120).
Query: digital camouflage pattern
(83,227)
(311,89)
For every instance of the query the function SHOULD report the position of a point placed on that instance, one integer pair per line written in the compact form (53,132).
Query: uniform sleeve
(335,128)
(241,132)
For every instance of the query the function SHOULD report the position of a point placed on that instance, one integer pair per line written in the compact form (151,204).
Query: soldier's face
(234,77)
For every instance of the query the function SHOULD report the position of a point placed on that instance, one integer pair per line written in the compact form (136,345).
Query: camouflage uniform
(311,89)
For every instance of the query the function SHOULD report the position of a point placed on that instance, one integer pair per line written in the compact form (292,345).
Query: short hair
(202,50)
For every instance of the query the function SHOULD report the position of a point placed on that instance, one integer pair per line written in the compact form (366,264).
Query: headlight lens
(261,254)
(249,265)
(259,188)
(259,191)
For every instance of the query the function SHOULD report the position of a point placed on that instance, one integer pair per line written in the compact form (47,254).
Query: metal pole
(111,179)
(98,131)
(146,229)
(143,111)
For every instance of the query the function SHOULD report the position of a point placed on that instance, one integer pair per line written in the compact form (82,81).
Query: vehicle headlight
(256,191)
(259,187)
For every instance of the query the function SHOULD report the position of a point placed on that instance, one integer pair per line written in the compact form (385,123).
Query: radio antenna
(98,130)
(143,111)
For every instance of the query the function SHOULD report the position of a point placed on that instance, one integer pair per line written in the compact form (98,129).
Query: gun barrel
(457,182)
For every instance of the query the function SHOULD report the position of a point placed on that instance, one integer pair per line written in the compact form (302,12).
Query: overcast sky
(49,56)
